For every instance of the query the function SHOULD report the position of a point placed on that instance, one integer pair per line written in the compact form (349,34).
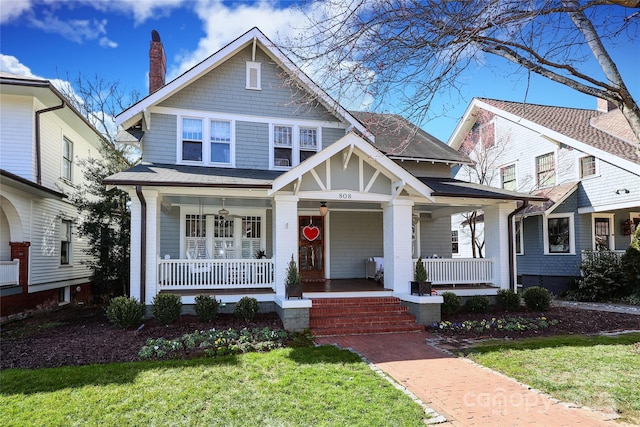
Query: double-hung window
(293,144)
(587,166)
(220,142)
(454,241)
(559,234)
(508,177)
(67,159)
(207,141)
(192,139)
(545,170)
(65,242)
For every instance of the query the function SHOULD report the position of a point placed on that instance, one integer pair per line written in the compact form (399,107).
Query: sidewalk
(461,391)
(599,306)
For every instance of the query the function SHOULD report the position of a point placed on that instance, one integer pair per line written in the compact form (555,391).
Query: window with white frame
(518,237)
(545,170)
(251,236)
(223,237)
(65,241)
(254,71)
(603,232)
(508,177)
(587,166)
(454,242)
(559,235)
(293,144)
(67,159)
(195,132)
(192,139)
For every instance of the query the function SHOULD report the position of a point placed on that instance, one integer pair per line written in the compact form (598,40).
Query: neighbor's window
(65,242)
(545,170)
(602,233)
(508,177)
(519,245)
(67,159)
(220,142)
(587,166)
(559,235)
(192,139)
(454,241)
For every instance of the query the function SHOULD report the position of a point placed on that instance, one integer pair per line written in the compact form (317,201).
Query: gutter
(512,272)
(38,149)
(143,244)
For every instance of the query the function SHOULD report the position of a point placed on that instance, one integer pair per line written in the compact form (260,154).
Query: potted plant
(420,285)
(293,286)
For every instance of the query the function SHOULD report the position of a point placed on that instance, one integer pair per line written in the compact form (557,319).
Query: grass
(321,386)
(601,372)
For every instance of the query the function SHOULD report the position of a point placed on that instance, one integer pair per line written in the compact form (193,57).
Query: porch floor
(343,285)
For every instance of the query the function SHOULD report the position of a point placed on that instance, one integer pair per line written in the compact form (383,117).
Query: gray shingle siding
(170,233)
(159,143)
(435,238)
(223,90)
(331,135)
(601,189)
(252,145)
(350,246)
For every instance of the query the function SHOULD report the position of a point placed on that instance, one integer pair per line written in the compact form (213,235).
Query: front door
(311,248)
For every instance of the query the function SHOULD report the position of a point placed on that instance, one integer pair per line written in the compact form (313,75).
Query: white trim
(572,234)
(612,229)
(515,171)
(612,207)
(596,164)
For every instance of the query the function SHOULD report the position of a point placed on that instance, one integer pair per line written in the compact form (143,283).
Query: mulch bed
(83,335)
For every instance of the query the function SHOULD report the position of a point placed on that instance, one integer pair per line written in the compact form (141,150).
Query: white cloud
(10,64)
(12,9)
(105,42)
(76,30)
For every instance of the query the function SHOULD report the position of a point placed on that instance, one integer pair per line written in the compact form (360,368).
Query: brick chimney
(605,106)
(157,63)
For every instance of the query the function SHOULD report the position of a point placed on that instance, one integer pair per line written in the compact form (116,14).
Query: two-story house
(41,138)
(247,163)
(584,161)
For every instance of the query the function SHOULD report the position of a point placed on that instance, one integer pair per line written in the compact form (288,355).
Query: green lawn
(600,372)
(321,386)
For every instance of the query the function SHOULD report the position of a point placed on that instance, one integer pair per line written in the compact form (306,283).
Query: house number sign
(344,196)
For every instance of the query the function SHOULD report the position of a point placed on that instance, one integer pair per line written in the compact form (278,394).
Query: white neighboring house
(41,138)
(584,161)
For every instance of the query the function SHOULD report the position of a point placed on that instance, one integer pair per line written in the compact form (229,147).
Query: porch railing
(586,253)
(9,272)
(219,273)
(458,271)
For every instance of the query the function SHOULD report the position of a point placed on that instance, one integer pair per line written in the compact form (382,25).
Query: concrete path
(461,391)
(599,306)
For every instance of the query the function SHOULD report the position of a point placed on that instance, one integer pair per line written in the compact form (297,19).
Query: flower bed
(513,324)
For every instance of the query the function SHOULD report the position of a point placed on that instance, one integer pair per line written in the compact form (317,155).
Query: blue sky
(53,39)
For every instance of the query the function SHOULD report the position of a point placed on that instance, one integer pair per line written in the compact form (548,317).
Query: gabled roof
(400,139)
(555,195)
(571,126)
(451,187)
(133,114)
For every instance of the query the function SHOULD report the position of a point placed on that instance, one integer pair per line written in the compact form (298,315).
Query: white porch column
(398,265)
(496,238)
(153,232)
(285,238)
(134,258)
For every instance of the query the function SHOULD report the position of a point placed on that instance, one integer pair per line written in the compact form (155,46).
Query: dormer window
(254,76)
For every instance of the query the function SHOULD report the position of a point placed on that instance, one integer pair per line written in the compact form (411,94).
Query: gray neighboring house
(240,174)
(584,161)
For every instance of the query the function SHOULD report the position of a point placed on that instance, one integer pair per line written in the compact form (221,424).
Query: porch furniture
(374,266)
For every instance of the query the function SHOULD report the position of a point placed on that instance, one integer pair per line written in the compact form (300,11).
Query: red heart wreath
(310,232)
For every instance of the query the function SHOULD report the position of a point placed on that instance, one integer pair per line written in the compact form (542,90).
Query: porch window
(559,235)
(67,159)
(220,142)
(508,177)
(192,139)
(251,236)
(195,234)
(545,171)
(65,242)
(587,166)
(223,237)
(602,236)
(454,242)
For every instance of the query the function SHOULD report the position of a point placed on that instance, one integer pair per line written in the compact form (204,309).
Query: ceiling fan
(225,212)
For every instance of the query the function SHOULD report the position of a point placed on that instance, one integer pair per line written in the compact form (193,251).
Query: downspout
(143,243)
(512,284)
(38,150)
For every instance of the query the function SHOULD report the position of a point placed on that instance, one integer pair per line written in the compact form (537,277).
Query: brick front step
(346,316)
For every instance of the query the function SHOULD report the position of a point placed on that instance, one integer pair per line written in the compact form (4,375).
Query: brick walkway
(459,390)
